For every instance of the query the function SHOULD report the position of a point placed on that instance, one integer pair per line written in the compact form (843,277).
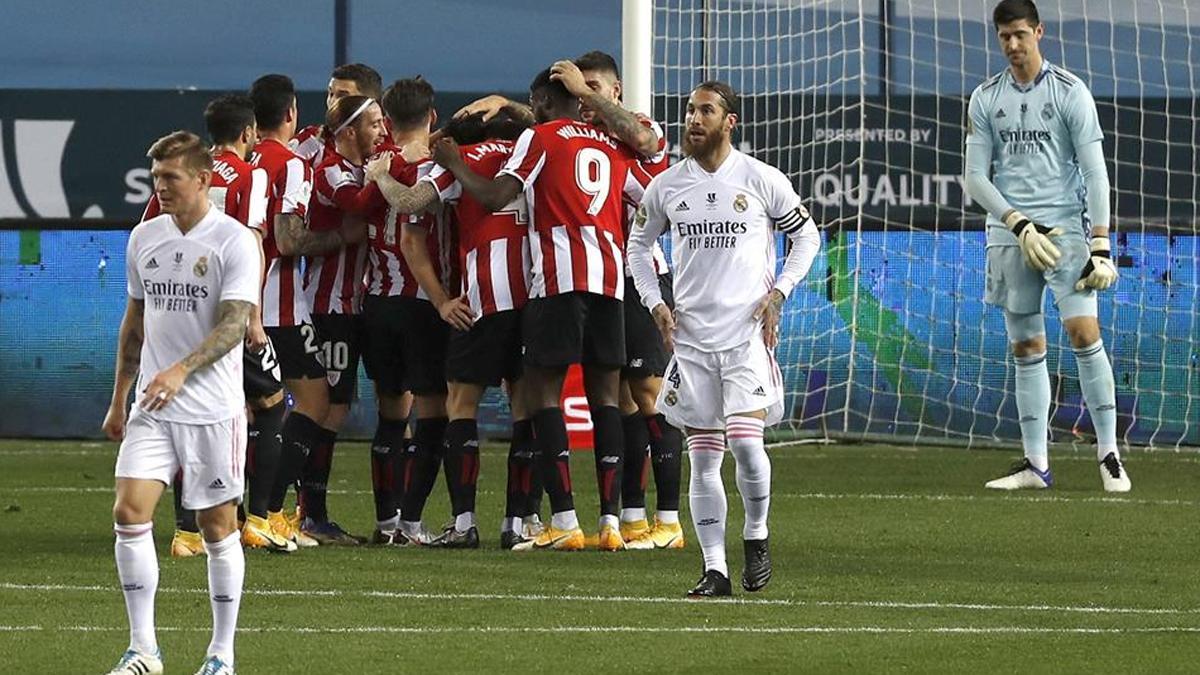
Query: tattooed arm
(232,316)
(617,121)
(129,360)
(294,238)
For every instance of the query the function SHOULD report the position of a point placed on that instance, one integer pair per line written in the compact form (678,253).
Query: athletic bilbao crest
(201,266)
(333,377)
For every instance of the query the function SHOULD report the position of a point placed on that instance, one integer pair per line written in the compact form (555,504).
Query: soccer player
(577,175)
(192,278)
(406,337)
(1035,162)
(723,208)
(595,79)
(285,309)
(333,286)
(352,79)
(485,343)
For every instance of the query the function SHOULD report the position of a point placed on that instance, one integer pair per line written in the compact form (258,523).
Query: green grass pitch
(886,560)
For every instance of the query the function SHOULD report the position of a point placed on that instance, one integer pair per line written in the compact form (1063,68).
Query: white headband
(350,120)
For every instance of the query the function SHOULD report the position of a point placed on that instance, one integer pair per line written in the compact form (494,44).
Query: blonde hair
(196,155)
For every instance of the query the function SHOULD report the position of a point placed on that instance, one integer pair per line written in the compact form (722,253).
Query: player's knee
(218,522)
(1026,333)
(645,395)
(1082,330)
(462,400)
(129,512)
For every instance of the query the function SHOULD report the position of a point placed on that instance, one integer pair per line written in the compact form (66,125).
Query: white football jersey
(722,244)
(182,278)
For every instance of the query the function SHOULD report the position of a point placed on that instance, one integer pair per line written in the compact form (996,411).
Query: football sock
(137,568)
(185,519)
(633,478)
(666,458)
(314,480)
(300,436)
(550,441)
(1099,392)
(753,472)
(385,448)
(609,456)
(263,465)
(520,470)
(226,572)
(1033,406)
(706,496)
(423,467)
(462,464)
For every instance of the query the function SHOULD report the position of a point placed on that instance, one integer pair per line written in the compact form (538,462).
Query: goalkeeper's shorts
(1012,284)
(702,389)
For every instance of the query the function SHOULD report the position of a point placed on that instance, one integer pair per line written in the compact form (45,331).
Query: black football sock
(633,476)
(386,448)
(520,470)
(301,436)
(263,465)
(314,479)
(423,466)
(610,457)
(185,519)
(666,457)
(462,464)
(551,442)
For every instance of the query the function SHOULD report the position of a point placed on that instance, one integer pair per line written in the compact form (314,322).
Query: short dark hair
(555,90)
(598,60)
(365,77)
(729,97)
(226,117)
(195,154)
(1009,11)
(471,129)
(408,102)
(273,95)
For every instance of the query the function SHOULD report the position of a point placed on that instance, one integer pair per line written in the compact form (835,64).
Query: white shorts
(212,457)
(701,389)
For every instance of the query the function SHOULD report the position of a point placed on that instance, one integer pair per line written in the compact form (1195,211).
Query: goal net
(862,104)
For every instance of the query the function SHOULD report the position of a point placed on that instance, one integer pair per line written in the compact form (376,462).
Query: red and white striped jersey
(333,282)
(290,185)
(311,145)
(238,190)
(575,178)
(652,166)
(388,273)
(493,247)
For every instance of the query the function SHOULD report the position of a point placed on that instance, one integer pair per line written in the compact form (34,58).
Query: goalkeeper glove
(1040,253)
(1099,272)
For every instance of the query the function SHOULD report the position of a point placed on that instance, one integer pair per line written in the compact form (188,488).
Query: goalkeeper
(1034,161)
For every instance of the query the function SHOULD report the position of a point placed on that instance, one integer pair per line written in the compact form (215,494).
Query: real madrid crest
(671,398)
(740,203)
(201,266)
(1048,110)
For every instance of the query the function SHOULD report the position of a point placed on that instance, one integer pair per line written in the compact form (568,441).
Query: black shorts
(340,349)
(404,345)
(488,353)
(645,353)
(260,373)
(299,351)
(575,327)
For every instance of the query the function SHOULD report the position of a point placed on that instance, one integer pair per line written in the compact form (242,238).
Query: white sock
(226,572)
(706,496)
(632,515)
(668,517)
(137,568)
(609,520)
(410,528)
(1100,394)
(510,525)
(753,473)
(388,525)
(1033,407)
(464,521)
(564,520)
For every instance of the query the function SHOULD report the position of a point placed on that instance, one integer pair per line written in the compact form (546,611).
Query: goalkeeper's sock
(1099,392)
(753,473)
(1033,405)
(706,495)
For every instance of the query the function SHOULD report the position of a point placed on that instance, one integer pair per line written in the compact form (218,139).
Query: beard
(712,140)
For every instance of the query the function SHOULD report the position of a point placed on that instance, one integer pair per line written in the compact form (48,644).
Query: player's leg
(666,449)
(383,330)
(263,387)
(603,356)
(521,469)
(636,440)
(462,463)
(1017,289)
(186,542)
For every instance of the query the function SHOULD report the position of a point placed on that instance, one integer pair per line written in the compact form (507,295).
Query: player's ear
(731,119)
(432,118)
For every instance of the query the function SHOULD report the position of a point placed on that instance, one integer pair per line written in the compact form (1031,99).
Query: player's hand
(768,311)
(256,335)
(353,230)
(1099,272)
(446,152)
(114,422)
(665,320)
(457,312)
(164,387)
(1040,253)
(488,105)
(572,78)
(415,151)
(378,167)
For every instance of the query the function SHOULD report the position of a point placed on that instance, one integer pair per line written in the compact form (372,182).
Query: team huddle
(498,249)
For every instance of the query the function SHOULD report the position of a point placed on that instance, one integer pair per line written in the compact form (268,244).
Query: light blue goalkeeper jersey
(1031,133)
